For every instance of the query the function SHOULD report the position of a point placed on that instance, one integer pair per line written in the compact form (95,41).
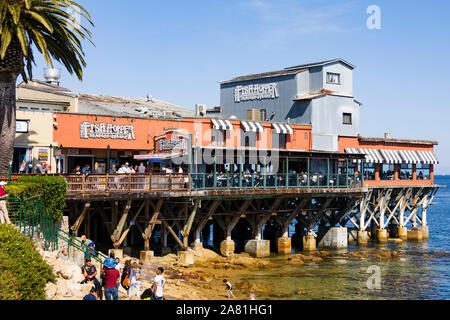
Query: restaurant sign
(172,144)
(256,92)
(90,130)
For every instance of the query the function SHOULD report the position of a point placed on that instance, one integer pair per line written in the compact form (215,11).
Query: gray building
(320,94)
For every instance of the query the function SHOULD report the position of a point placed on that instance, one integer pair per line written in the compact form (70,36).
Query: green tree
(49,26)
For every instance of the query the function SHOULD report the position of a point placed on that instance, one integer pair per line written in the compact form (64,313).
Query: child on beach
(229,289)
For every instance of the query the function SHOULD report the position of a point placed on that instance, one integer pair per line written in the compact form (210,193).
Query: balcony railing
(220,181)
(135,183)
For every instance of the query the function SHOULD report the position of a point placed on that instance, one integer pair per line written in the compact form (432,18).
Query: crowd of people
(126,168)
(114,275)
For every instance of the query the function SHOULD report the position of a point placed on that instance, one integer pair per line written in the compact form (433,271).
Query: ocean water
(416,273)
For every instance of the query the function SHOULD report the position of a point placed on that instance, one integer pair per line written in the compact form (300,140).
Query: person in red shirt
(4,217)
(112,276)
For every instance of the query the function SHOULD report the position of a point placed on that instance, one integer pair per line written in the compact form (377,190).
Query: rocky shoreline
(203,280)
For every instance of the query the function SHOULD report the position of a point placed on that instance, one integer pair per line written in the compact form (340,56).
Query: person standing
(141,168)
(125,279)
(119,267)
(113,169)
(135,276)
(158,285)
(229,289)
(112,275)
(4,217)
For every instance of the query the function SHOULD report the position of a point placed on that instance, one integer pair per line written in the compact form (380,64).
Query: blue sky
(179,50)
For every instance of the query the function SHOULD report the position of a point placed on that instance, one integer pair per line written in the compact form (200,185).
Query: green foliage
(8,283)
(48,25)
(20,259)
(52,189)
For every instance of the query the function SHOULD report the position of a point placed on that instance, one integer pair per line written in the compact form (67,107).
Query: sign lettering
(256,92)
(106,131)
(172,144)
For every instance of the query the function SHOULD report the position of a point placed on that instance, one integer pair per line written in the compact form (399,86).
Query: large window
(423,171)
(369,171)
(333,78)
(387,171)
(405,172)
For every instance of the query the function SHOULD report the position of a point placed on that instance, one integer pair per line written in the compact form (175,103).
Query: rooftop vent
(52,76)
(388,135)
(149,98)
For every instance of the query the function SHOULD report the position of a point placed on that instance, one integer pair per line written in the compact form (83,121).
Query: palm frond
(48,26)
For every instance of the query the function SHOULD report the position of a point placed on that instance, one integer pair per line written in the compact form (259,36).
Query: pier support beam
(284,245)
(403,233)
(309,243)
(425,232)
(382,236)
(258,248)
(415,234)
(363,237)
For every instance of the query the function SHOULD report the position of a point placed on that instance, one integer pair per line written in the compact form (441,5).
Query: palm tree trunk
(7,120)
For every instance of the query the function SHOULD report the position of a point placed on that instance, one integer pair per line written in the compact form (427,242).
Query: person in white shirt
(180,169)
(158,285)
(119,267)
(229,289)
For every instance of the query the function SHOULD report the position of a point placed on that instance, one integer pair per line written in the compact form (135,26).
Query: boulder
(260,288)
(51,290)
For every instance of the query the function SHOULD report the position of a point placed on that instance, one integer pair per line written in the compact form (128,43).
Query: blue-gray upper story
(320,94)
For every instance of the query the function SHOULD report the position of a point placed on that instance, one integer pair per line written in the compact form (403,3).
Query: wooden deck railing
(127,183)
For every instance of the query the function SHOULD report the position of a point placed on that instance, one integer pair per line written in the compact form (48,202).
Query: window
(347,118)
(387,171)
(278,140)
(423,171)
(333,78)
(369,171)
(405,172)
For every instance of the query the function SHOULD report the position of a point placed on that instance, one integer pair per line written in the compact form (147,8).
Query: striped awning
(409,156)
(372,155)
(222,124)
(417,156)
(390,156)
(396,156)
(252,126)
(282,128)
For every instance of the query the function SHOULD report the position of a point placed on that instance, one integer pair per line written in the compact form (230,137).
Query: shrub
(8,283)
(19,258)
(52,189)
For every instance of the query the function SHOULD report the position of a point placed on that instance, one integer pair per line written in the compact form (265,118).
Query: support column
(363,237)
(402,230)
(257,247)
(227,246)
(309,242)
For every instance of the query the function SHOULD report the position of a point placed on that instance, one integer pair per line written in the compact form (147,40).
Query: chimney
(388,135)
(52,76)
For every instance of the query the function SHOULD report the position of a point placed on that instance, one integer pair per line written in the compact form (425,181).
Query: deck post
(309,169)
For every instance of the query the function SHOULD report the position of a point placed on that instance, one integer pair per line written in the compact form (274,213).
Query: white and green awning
(220,124)
(395,156)
(282,128)
(252,126)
